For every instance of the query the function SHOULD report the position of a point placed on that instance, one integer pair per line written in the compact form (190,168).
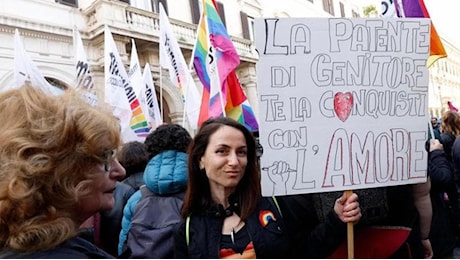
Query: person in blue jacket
(152,212)
(225,215)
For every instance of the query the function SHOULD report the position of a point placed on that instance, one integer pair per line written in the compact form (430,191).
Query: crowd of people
(70,188)
(443,171)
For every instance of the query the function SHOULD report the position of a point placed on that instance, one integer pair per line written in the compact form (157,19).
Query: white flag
(171,58)
(84,79)
(135,74)
(25,70)
(120,94)
(149,96)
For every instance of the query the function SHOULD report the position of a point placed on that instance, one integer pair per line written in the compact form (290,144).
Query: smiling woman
(225,215)
(57,170)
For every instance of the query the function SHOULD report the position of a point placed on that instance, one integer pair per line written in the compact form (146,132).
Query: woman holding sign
(226,216)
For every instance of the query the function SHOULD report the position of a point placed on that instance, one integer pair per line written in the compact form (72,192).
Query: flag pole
(75,49)
(161,93)
(184,114)
(190,65)
(161,79)
(431,128)
(350,234)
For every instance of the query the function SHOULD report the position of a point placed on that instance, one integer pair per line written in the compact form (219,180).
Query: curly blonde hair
(48,145)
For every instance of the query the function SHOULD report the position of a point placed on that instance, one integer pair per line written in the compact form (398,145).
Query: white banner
(171,58)
(120,94)
(84,78)
(26,71)
(137,81)
(135,73)
(149,97)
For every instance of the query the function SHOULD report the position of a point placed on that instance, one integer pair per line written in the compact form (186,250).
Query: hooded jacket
(154,210)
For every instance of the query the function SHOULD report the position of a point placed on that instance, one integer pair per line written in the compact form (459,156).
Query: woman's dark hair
(133,156)
(198,194)
(167,137)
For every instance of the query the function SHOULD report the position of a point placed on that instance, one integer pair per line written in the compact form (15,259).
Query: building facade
(444,81)
(46,28)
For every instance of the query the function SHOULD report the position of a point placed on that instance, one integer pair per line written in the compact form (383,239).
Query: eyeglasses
(108,157)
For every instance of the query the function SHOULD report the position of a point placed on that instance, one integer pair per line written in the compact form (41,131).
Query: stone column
(248,80)
(250,88)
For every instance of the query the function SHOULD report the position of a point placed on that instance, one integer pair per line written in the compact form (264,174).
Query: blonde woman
(58,168)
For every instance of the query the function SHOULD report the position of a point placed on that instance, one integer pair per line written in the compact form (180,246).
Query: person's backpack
(152,225)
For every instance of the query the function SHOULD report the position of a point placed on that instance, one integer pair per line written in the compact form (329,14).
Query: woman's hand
(435,145)
(427,248)
(347,208)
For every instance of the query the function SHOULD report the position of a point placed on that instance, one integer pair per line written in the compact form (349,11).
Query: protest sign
(343,103)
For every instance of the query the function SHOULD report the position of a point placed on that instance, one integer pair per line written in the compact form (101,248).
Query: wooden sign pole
(350,237)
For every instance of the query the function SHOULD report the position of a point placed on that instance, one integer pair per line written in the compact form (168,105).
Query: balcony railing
(144,24)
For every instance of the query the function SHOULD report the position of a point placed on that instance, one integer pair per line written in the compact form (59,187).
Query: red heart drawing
(343,102)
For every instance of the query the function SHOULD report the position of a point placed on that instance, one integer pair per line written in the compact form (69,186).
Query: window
(156,6)
(220,10)
(328,6)
(149,5)
(73,3)
(141,4)
(247,24)
(342,9)
(195,6)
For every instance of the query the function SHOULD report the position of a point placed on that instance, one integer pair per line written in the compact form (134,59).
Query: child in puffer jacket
(152,212)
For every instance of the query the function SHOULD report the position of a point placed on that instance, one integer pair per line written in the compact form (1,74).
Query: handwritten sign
(343,103)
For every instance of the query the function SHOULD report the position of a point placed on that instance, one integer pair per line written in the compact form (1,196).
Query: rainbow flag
(238,106)
(120,94)
(215,59)
(416,8)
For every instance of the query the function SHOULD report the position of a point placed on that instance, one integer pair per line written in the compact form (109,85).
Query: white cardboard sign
(343,103)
